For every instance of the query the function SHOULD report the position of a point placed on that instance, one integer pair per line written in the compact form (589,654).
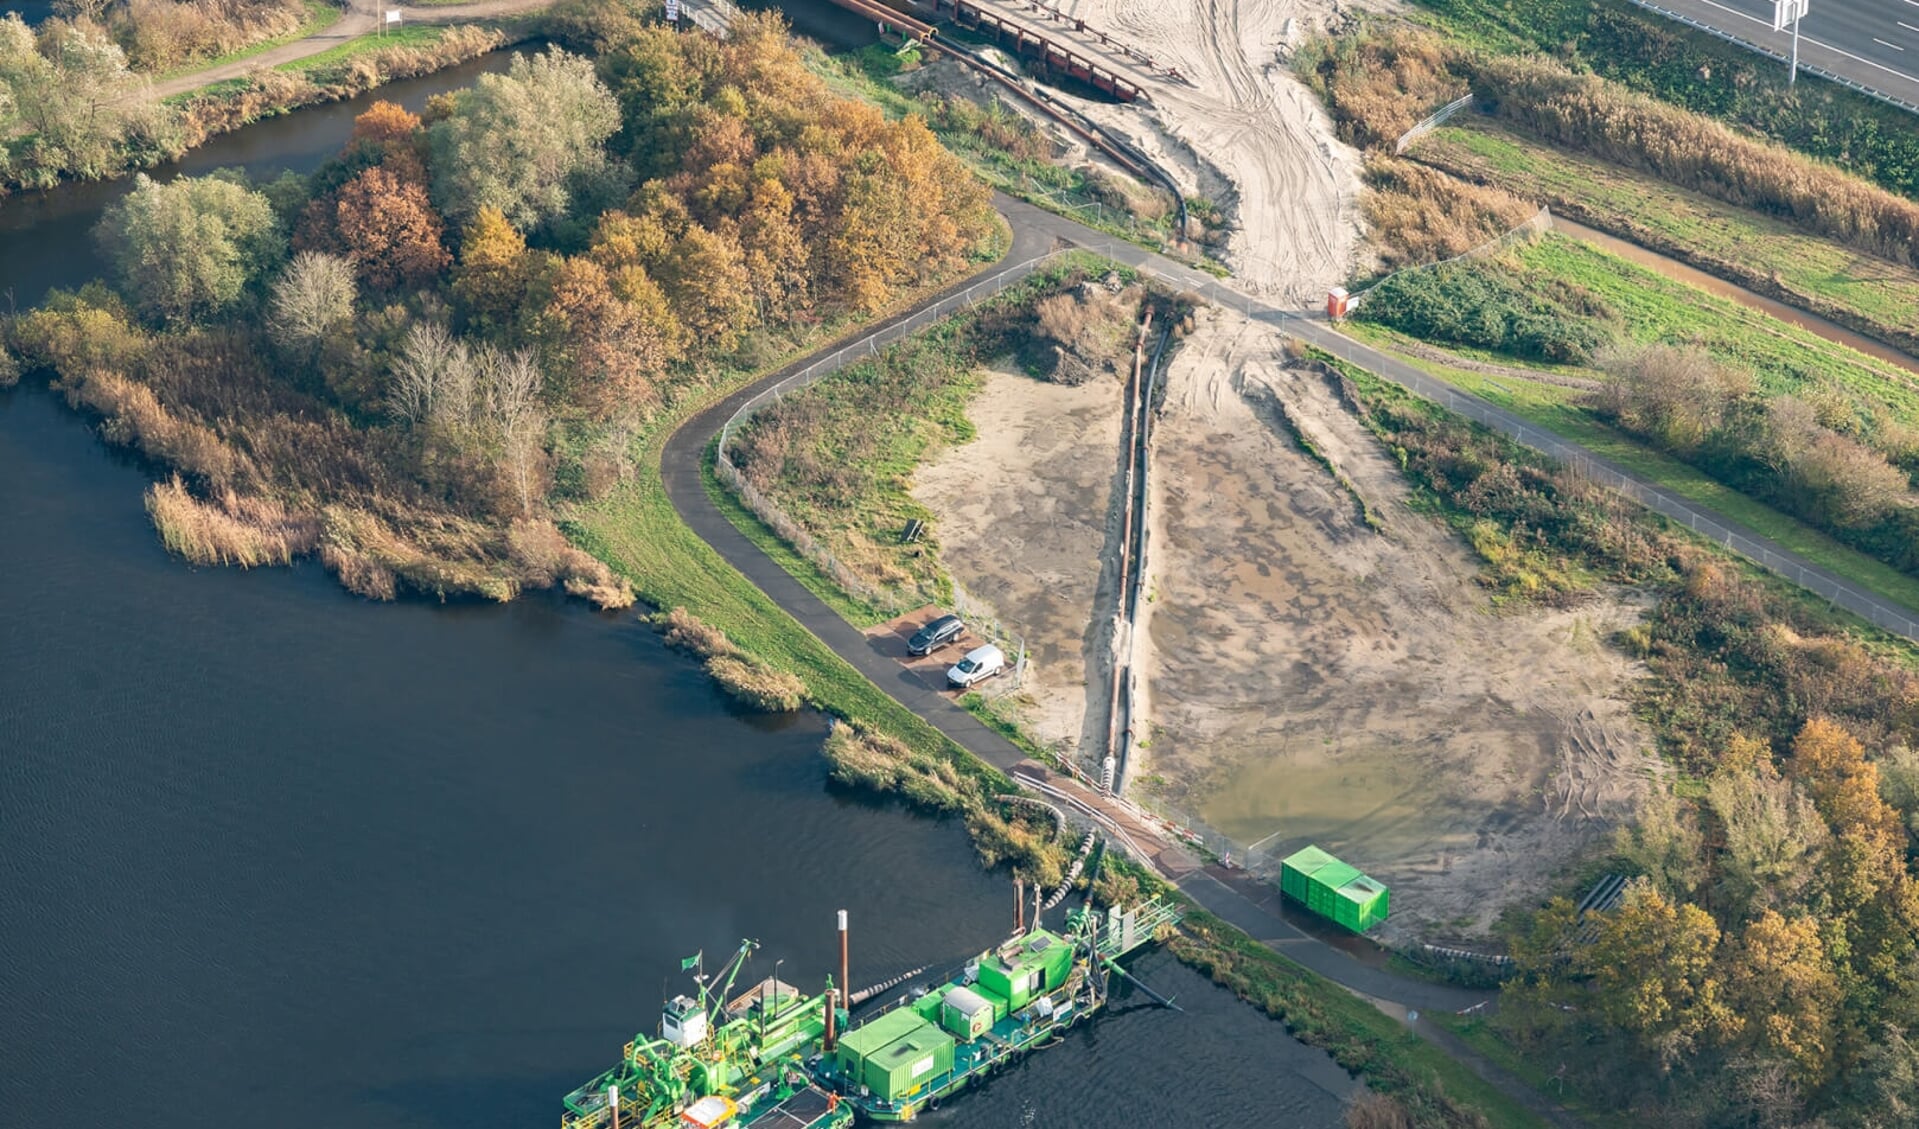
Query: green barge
(1003,1004)
(770,1058)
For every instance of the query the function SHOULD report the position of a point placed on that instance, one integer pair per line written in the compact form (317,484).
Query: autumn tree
(312,299)
(1779,980)
(386,123)
(513,142)
(490,283)
(1832,765)
(774,251)
(705,277)
(1773,839)
(1653,970)
(389,230)
(188,247)
(605,356)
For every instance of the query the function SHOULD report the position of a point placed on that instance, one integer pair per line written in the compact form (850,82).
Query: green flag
(692,961)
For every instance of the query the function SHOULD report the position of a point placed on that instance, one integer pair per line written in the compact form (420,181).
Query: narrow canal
(271,853)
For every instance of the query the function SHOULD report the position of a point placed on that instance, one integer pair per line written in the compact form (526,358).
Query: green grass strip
(407,35)
(1873,296)
(1557,409)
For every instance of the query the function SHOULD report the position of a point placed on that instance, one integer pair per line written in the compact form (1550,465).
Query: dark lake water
(32,11)
(271,853)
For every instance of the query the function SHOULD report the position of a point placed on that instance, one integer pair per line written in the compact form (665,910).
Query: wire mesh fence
(885,601)
(1540,223)
(1431,123)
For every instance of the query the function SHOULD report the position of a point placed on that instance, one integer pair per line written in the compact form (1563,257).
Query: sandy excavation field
(1245,134)
(1024,526)
(1312,680)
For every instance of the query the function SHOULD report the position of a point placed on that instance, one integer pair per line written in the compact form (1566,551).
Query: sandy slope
(1025,523)
(1315,681)
(1247,132)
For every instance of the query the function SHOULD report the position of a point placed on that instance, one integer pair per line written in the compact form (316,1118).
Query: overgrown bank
(1698,72)
(484,308)
(71,106)
(1768,949)
(1757,251)
(1803,425)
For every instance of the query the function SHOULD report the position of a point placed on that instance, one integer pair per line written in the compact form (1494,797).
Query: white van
(980,664)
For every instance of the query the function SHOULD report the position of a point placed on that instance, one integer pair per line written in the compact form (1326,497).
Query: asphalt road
(1240,901)
(1874,43)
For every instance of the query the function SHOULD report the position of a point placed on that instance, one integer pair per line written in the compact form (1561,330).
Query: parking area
(890,639)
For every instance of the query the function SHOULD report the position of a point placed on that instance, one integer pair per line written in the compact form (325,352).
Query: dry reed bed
(1380,80)
(1590,114)
(751,680)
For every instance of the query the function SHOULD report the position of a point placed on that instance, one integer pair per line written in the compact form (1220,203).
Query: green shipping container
(1333,889)
(909,1064)
(868,1039)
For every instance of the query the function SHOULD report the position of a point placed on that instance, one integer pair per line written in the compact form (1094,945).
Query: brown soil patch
(1023,522)
(890,639)
(1315,681)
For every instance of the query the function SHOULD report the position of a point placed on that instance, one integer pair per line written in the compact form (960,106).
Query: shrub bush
(1484,304)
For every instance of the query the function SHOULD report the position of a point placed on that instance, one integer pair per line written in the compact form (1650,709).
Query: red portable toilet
(1338,302)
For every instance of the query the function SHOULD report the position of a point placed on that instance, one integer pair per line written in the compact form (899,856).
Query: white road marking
(1883,43)
(1906,25)
(1767,24)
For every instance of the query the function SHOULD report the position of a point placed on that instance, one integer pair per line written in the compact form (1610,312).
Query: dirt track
(1315,681)
(1246,132)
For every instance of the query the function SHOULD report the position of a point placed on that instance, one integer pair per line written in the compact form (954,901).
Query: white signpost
(1790,12)
(673,11)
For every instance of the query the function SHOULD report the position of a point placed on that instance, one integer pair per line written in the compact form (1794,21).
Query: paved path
(1233,895)
(362,18)
(1869,44)
(1230,894)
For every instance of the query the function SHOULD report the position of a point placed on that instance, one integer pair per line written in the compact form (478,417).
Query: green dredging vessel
(1006,1002)
(742,1064)
(770,1058)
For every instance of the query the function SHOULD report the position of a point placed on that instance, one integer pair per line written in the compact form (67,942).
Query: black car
(935,635)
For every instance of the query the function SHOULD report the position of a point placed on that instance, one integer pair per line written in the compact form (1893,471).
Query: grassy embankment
(1558,409)
(1479,1034)
(1762,253)
(404,37)
(636,530)
(320,15)
(1646,307)
(1698,72)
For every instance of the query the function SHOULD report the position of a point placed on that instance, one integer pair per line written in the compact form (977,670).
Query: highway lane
(1874,43)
